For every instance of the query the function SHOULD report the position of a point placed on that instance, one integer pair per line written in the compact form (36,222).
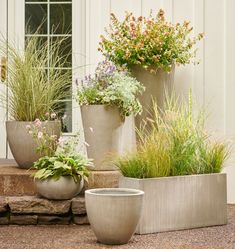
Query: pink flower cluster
(47,142)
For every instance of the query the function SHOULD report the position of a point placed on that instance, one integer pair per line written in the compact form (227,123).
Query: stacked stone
(31,210)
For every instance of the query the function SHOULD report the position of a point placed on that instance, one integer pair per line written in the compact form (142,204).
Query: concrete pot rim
(114,192)
(170,177)
(51,179)
(100,105)
(152,67)
(44,122)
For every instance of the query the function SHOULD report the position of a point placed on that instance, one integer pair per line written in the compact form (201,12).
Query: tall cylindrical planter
(22,144)
(156,86)
(103,133)
(114,213)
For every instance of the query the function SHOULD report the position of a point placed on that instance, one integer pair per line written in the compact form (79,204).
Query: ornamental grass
(34,84)
(172,143)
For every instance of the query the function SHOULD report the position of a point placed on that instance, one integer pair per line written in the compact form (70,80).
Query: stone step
(18,182)
(32,210)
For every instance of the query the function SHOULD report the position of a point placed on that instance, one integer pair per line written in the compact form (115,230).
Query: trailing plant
(35,86)
(65,162)
(111,86)
(173,142)
(151,42)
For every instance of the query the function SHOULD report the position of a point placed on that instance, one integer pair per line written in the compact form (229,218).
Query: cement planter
(156,85)
(103,132)
(180,202)
(22,145)
(114,213)
(63,189)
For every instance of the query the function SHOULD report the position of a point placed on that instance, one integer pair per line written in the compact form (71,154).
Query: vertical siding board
(119,7)
(230,67)
(184,75)
(97,18)
(214,64)
(198,82)
(148,5)
(168,8)
(229,95)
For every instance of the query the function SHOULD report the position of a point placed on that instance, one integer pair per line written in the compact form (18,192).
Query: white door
(3,35)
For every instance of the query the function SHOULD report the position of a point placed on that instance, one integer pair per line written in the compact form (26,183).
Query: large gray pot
(180,202)
(114,213)
(22,145)
(103,133)
(63,189)
(156,85)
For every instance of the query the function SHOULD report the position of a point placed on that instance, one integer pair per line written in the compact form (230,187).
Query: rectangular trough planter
(180,202)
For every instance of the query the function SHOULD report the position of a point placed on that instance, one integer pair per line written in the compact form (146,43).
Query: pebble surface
(82,237)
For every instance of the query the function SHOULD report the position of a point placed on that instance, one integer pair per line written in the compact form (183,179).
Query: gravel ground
(82,237)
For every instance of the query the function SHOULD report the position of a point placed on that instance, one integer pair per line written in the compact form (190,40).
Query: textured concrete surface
(30,210)
(180,202)
(81,237)
(32,205)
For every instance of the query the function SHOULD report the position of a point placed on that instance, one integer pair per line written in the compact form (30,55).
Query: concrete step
(18,182)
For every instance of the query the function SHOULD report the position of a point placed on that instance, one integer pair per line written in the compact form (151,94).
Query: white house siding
(212,81)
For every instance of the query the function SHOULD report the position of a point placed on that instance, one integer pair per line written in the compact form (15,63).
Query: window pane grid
(42,10)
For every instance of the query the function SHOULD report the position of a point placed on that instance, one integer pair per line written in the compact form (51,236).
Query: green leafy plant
(35,86)
(111,86)
(173,142)
(151,42)
(65,162)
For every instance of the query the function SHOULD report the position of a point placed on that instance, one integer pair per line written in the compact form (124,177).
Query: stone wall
(31,210)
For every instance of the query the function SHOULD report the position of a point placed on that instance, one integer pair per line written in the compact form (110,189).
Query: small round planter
(157,85)
(103,131)
(63,189)
(114,213)
(22,145)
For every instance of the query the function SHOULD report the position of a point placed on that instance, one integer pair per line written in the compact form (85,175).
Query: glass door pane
(52,21)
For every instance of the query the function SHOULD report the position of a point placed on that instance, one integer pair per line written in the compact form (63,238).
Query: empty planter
(114,213)
(103,132)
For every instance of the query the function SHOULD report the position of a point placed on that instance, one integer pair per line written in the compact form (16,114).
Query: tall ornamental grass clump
(35,86)
(174,143)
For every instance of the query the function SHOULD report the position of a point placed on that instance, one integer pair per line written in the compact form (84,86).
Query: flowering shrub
(151,42)
(111,86)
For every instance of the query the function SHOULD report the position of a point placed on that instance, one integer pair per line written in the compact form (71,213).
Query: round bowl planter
(157,85)
(114,213)
(63,189)
(22,145)
(103,132)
